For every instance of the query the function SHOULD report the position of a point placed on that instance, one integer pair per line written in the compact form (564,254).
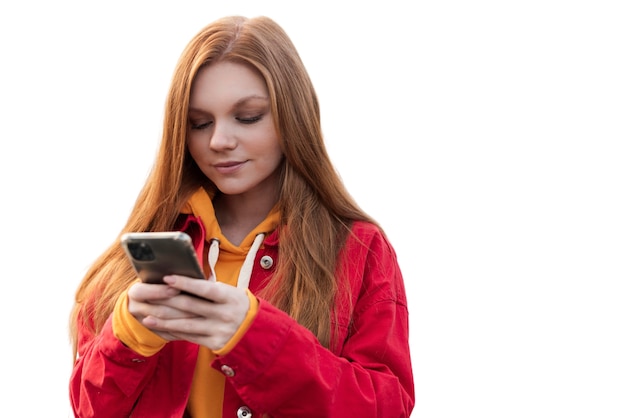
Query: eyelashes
(251,120)
(199,126)
(244,120)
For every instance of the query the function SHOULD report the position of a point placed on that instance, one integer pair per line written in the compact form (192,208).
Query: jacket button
(244,412)
(228,371)
(267,262)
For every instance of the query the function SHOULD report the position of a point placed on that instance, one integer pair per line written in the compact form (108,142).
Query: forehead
(226,81)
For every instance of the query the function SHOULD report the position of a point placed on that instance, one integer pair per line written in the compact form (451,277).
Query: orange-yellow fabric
(207,390)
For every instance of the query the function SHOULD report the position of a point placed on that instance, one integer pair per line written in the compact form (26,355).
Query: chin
(232,190)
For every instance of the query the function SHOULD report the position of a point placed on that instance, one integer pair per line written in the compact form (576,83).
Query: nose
(223,137)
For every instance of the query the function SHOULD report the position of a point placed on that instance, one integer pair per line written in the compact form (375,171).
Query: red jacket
(278,368)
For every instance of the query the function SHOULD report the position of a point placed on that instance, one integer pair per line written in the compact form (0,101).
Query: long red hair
(315,207)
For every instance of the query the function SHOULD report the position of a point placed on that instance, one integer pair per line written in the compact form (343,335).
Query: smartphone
(158,254)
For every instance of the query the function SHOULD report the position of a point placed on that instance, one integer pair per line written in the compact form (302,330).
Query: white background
(487,137)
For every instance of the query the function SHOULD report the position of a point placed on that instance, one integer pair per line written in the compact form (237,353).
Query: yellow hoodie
(207,390)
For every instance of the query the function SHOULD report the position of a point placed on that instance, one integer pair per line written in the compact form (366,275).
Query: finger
(165,335)
(165,309)
(144,292)
(196,330)
(228,315)
(181,328)
(210,290)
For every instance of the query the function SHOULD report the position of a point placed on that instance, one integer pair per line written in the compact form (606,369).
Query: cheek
(276,158)
(194,149)
(271,145)
(270,148)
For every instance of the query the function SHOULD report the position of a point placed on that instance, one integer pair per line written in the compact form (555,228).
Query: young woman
(308,316)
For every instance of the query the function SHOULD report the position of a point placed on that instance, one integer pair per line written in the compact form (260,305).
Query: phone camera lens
(141,251)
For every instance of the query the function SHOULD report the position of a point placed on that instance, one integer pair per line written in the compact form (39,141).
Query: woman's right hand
(147,299)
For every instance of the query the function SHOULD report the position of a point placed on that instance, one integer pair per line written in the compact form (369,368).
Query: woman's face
(231,131)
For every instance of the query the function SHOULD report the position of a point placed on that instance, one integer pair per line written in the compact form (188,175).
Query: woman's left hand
(211,318)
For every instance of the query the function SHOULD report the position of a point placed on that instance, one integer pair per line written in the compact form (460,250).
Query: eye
(250,120)
(199,126)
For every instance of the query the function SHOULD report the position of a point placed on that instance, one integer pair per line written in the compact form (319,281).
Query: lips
(228,167)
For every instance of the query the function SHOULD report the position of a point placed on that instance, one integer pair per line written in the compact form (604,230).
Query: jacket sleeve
(111,380)
(280,368)
(108,377)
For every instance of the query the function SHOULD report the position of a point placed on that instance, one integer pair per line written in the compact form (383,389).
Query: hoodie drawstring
(214,251)
(246,269)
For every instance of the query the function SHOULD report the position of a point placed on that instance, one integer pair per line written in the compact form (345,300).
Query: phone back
(157,254)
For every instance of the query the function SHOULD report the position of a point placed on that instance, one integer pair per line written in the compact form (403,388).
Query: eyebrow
(239,102)
(243,100)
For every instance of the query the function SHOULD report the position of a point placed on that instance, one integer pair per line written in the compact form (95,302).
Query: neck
(237,215)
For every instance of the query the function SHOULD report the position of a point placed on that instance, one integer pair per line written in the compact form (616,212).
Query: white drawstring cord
(214,251)
(246,269)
